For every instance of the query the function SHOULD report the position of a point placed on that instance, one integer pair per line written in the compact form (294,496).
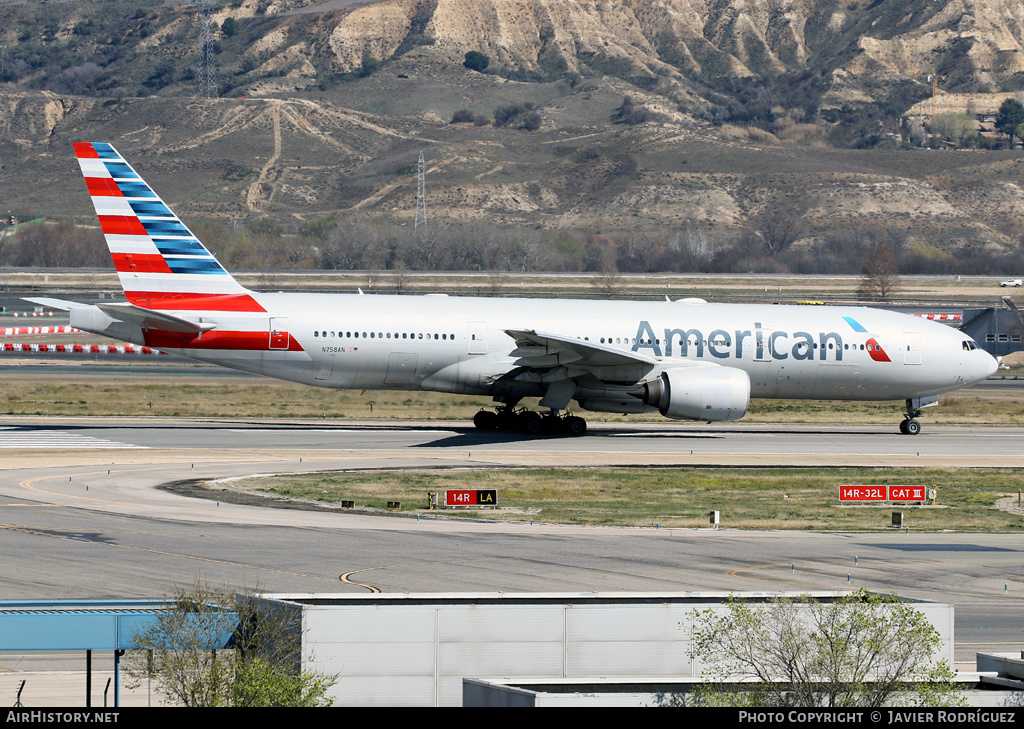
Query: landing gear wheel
(486,420)
(530,423)
(507,419)
(910,426)
(551,424)
(575,425)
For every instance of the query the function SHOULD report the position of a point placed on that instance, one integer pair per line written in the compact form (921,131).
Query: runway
(82,516)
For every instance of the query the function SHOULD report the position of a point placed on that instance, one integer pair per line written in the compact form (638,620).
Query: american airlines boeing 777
(686,359)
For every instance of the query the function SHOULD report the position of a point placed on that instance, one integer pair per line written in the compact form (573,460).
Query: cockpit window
(969,345)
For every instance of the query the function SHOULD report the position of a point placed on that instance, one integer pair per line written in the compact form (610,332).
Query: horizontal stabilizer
(148,319)
(60,304)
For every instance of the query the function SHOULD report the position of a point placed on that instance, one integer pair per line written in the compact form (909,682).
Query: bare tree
(777,228)
(494,282)
(881,277)
(608,281)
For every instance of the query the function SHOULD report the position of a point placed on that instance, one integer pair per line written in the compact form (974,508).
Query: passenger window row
(384,335)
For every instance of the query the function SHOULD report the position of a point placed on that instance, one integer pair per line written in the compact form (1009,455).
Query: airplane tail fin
(159,261)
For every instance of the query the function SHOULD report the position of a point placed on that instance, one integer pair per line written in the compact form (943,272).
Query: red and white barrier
(11,331)
(9,347)
(941,317)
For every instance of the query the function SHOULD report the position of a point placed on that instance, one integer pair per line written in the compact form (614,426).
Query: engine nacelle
(713,393)
(626,405)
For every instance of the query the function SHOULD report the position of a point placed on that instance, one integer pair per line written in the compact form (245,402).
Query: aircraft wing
(539,350)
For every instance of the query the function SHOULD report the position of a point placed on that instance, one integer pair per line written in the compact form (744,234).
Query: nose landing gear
(910,426)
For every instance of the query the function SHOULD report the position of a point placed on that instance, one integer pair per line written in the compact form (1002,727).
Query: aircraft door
(763,345)
(478,337)
(279,338)
(912,348)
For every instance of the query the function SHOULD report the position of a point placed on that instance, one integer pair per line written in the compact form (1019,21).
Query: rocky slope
(863,51)
(296,140)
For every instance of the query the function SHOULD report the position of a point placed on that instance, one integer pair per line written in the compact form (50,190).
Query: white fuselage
(460,345)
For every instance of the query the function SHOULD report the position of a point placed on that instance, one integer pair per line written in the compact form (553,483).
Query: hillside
(737,108)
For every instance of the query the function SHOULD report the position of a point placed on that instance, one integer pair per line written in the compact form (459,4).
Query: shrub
(476,61)
(504,115)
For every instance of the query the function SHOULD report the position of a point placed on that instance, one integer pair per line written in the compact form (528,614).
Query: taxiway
(83,516)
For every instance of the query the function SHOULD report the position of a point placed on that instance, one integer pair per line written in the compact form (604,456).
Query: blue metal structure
(86,625)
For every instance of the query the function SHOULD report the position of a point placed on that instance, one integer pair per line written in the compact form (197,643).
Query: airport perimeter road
(70,529)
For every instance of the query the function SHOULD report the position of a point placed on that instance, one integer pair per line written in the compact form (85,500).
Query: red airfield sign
(882,493)
(471,497)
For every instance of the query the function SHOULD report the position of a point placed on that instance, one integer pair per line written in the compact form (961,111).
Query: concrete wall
(415,650)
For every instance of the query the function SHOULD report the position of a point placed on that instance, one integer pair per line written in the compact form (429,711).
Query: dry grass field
(674,497)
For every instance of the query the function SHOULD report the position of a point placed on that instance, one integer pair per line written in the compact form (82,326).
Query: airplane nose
(992,365)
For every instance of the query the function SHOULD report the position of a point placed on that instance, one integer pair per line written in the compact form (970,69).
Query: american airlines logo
(758,342)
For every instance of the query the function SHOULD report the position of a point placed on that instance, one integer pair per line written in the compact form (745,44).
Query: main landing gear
(910,426)
(529,422)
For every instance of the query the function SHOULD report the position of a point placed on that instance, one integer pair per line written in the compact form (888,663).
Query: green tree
(956,128)
(214,648)
(318,229)
(229,27)
(1011,115)
(863,649)
(476,61)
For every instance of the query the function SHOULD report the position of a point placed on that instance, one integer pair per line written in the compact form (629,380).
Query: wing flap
(544,349)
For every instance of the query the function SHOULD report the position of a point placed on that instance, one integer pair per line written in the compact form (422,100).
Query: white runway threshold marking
(19,439)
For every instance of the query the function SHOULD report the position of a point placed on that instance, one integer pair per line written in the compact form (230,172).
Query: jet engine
(712,393)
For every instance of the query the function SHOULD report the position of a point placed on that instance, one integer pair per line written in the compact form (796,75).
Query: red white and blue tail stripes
(161,264)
